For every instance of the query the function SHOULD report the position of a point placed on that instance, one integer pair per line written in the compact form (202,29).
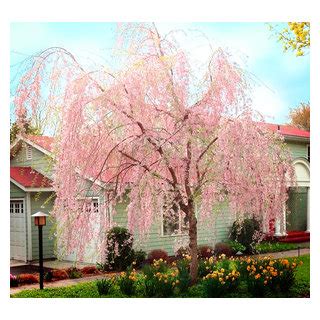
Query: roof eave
(296,138)
(31,189)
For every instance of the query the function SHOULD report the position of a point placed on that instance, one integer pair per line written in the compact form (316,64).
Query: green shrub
(286,275)
(203,268)
(139,258)
(127,281)
(268,275)
(245,232)
(236,247)
(160,265)
(74,273)
(183,277)
(220,282)
(149,283)
(159,281)
(104,285)
(119,252)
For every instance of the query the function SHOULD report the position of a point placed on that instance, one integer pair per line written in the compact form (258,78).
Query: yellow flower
(265,282)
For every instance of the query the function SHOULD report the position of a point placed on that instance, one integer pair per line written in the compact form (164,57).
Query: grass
(302,285)
(265,247)
(301,288)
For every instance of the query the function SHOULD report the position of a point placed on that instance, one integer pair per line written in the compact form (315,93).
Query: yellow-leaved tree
(295,37)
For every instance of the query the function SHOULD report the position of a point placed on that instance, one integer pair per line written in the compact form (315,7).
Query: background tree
(15,129)
(166,134)
(300,116)
(295,37)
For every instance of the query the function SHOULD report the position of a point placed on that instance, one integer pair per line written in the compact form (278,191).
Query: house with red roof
(32,190)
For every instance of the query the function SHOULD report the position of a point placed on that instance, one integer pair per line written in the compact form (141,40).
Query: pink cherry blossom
(139,131)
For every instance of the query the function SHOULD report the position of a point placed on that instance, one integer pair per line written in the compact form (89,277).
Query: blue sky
(282,80)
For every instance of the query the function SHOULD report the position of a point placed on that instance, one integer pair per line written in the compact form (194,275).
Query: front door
(297,209)
(17,230)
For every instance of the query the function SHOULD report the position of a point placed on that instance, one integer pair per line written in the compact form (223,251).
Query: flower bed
(221,277)
(53,275)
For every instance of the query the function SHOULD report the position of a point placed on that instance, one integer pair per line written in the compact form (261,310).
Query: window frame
(179,234)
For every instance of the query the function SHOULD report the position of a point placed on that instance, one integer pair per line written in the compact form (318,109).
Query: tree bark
(193,244)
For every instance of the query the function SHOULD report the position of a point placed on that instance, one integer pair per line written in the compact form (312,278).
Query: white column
(280,224)
(308,209)
(265,229)
(284,221)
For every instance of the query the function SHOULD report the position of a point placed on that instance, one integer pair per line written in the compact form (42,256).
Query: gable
(40,161)
(298,149)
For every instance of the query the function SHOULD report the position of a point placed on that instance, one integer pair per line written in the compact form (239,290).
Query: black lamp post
(40,221)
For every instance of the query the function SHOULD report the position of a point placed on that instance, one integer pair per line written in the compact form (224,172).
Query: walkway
(61,283)
(285,254)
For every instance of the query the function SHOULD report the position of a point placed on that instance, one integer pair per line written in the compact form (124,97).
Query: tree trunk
(193,244)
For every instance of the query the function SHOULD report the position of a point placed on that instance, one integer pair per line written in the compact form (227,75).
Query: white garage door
(17,230)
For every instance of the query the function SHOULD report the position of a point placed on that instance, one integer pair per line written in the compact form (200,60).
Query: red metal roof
(29,177)
(44,142)
(287,130)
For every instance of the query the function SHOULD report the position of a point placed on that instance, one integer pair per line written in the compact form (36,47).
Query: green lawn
(265,246)
(89,289)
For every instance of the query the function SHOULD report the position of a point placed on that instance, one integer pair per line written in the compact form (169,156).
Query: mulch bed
(27,269)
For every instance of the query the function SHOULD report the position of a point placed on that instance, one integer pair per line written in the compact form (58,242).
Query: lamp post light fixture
(40,221)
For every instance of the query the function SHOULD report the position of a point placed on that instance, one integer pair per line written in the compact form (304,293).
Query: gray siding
(209,232)
(298,149)
(16,192)
(41,201)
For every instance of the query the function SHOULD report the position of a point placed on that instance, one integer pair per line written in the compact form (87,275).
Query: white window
(28,152)
(92,204)
(174,225)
